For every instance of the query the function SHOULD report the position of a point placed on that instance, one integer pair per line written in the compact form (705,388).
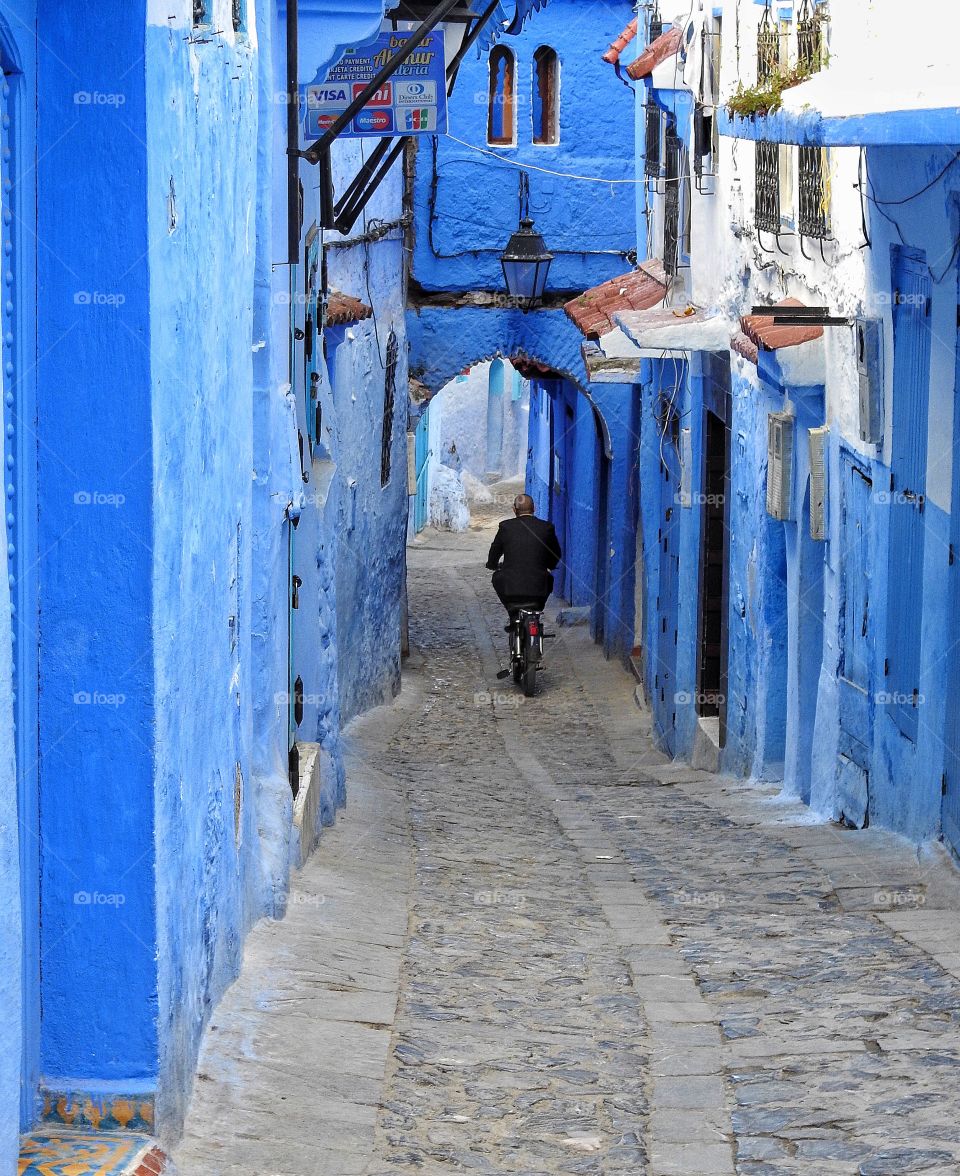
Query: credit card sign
(412,102)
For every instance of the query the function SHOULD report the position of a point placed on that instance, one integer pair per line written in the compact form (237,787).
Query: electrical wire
(534,167)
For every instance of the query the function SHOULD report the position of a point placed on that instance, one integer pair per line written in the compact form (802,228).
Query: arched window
(501,111)
(546,96)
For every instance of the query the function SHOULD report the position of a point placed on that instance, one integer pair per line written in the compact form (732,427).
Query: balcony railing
(809,38)
(768,47)
(767,197)
(812,219)
(673,151)
(653,130)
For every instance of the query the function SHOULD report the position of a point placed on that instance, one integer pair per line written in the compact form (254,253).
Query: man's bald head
(523,505)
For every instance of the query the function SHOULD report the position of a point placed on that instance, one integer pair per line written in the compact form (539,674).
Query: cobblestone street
(535,946)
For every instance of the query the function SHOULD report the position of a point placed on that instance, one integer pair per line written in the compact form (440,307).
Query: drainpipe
(293,135)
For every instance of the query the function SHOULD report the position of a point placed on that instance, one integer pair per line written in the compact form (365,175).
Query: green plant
(767,97)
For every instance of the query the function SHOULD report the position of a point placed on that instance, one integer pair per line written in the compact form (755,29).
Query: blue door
(951,738)
(857,638)
(668,538)
(422,460)
(17,185)
(911,387)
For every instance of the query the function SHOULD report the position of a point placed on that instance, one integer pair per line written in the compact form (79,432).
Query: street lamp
(526,260)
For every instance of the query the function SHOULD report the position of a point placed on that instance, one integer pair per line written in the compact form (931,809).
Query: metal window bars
(653,131)
(199,12)
(672,236)
(809,38)
(704,145)
(389,399)
(237,16)
(766,209)
(656,24)
(768,47)
(813,219)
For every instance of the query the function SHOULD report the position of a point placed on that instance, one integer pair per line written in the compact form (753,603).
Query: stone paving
(535,946)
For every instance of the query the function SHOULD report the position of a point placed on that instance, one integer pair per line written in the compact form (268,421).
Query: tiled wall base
(89,1153)
(101,1112)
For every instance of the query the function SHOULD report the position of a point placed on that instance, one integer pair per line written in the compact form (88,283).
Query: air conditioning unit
(869,343)
(818,440)
(780,465)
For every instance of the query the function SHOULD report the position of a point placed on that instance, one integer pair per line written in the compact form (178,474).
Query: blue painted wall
(589,227)
(96,519)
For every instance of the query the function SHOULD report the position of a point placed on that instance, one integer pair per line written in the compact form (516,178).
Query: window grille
(704,142)
(813,219)
(656,23)
(389,398)
(238,16)
(767,195)
(199,12)
(673,150)
(768,47)
(809,38)
(654,128)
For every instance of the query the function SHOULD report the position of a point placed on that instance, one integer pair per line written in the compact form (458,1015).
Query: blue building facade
(790,515)
(192,498)
(540,107)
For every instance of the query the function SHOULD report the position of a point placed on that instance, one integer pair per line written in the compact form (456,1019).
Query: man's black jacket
(530,551)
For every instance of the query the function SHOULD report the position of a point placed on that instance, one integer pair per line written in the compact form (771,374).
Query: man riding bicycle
(530,550)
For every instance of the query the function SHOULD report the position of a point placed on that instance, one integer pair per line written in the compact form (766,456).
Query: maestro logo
(376,122)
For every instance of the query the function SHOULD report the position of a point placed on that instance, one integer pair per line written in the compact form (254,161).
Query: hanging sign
(412,102)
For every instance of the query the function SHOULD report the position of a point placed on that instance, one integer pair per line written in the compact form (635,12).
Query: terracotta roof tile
(531,368)
(656,52)
(761,330)
(593,311)
(745,346)
(343,309)
(612,55)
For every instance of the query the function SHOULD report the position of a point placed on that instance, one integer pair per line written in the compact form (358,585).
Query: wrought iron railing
(653,129)
(673,152)
(656,23)
(768,47)
(704,123)
(809,38)
(813,219)
(766,215)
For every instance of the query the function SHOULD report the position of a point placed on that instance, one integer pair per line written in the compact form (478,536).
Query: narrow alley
(532,944)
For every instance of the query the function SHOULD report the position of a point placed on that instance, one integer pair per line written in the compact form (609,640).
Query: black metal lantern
(526,259)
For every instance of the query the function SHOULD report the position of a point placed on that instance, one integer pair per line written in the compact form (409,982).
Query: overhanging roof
(593,310)
(661,331)
(665,46)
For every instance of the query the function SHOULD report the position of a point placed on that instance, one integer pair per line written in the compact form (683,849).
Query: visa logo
(329,96)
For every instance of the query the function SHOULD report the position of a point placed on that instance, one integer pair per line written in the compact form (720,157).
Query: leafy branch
(767,96)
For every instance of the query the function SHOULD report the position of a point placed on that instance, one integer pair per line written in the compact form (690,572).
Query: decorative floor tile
(88,1153)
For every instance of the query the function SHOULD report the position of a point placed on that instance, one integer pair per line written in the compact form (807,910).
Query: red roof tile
(593,310)
(656,52)
(343,309)
(745,346)
(612,55)
(531,369)
(760,329)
